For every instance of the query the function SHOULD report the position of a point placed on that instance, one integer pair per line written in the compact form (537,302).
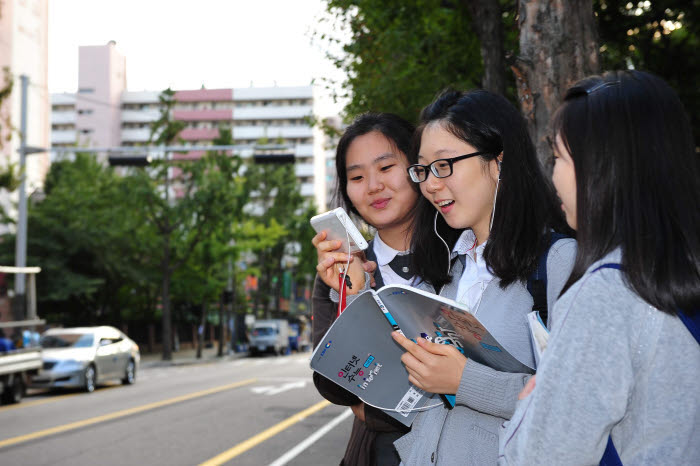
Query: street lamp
(20,304)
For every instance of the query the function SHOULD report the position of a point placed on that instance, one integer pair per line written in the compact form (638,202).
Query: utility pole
(19,306)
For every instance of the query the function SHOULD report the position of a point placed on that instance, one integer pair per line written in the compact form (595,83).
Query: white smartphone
(339,227)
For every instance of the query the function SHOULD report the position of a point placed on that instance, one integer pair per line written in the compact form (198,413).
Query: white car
(84,357)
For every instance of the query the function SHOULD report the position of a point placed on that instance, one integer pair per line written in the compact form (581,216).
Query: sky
(187,44)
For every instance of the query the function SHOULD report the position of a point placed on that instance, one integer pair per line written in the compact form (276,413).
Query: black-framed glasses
(577,91)
(441,168)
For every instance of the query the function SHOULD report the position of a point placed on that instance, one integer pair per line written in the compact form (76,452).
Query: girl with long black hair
(620,379)
(371,164)
(482,226)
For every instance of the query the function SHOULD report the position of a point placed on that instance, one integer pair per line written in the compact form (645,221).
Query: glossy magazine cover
(359,354)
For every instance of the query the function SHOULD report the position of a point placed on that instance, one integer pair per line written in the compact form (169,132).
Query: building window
(62,127)
(62,108)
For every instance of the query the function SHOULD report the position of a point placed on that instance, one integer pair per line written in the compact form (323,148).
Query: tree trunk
(167,329)
(176,338)
(278,289)
(259,292)
(558,46)
(201,328)
(488,25)
(151,338)
(222,328)
(269,295)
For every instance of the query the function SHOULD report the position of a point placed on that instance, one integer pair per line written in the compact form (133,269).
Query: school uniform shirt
(475,275)
(385,254)
(382,254)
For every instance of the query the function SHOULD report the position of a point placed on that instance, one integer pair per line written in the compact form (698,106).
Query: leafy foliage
(82,235)
(399,54)
(98,235)
(660,36)
(278,205)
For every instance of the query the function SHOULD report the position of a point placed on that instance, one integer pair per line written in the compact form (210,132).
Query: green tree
(399,54)
(661,36)
(278,205)
(203,192)
(205,275)
(82,235)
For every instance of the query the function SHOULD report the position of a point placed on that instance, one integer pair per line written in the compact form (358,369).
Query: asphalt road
(248,411)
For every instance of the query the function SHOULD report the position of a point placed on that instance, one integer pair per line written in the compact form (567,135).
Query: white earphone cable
(449,253)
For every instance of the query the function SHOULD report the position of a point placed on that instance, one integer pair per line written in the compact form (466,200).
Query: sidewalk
(188,356)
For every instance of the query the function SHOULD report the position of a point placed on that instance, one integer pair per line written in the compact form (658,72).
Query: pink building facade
(103,113)
(101,81)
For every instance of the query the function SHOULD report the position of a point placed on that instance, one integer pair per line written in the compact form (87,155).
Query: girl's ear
(495,167)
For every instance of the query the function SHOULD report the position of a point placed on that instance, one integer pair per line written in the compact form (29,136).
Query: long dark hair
(525,209)
(637,184)
(398,132)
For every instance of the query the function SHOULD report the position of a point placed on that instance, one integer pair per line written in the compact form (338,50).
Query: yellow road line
(262,436)
(119,414)
(29,404)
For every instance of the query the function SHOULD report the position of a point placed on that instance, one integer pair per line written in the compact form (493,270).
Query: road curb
(190,361)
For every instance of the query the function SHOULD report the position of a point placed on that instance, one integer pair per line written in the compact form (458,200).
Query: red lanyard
(342,286)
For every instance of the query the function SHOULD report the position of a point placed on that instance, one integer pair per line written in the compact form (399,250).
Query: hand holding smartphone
(338,226)
(333,258)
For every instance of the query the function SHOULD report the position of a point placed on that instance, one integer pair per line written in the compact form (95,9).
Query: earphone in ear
(499,170)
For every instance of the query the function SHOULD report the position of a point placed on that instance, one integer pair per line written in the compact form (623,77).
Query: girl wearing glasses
(627,173)
(485,218)
(373,184)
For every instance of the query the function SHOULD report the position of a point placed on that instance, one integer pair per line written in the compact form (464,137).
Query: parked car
(85,357)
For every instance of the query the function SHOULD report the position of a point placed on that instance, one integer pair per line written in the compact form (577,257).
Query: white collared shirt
(386,254)
(475,276)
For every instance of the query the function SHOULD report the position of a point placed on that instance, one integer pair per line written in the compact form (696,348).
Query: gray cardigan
(614,366)
(468,433)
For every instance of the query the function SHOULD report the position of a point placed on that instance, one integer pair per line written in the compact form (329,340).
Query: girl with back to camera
(373,184)
(621,373)
(485,196)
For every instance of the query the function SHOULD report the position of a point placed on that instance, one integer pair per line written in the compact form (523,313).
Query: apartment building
(103,113)
(24,51)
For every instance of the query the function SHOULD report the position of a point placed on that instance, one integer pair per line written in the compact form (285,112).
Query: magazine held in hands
(359,354)
(539,334)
